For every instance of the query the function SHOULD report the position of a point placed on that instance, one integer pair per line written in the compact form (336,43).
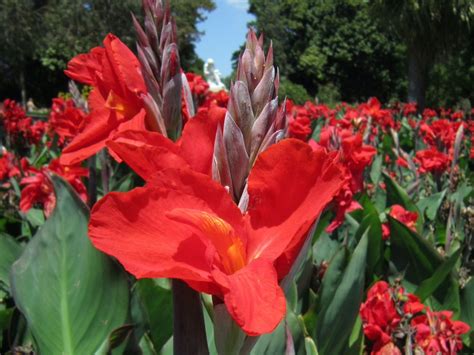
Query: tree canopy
(39,37)
(360,48)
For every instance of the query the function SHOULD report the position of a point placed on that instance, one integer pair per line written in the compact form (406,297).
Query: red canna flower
(437,333)
(183,225)
(115,101)
(8,168)
(432,161)
(299,127)
(197,84)
(38,188)
(65,120)
(408,218)
(379,315)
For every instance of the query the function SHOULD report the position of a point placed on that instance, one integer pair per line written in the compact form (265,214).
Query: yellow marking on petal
(221,234)
(116,103)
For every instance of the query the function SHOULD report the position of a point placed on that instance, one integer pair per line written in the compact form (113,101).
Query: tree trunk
(417,78)
(23,88)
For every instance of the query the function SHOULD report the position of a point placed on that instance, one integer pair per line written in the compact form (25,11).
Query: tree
(19,24)
(39,37)
(321,43)
(429,29)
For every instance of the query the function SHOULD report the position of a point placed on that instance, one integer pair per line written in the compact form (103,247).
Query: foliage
(331,42)
(69,28)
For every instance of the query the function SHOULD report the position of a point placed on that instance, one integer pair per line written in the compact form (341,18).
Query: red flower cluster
(432,161)
(8,168)
(197,84)
(355,156)
(390,315)
(65,120)
(38,188)
(300,118)
(19,127)
(403,216)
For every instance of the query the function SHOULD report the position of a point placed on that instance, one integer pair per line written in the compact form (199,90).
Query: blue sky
(225,29)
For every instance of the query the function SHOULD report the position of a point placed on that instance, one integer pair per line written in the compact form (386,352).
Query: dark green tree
(19,25)
(430,29)
(39,37)
(324,43)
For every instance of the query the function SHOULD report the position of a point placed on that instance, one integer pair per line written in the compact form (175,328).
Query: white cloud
(239,4)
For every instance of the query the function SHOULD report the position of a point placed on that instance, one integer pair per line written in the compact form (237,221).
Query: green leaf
(157,307)
(35,216)
(376,169)
(10,250)
(467,307)
(276,342)
(372,225)
(337,314)
(430,285)
(310,346)
(84,294)
(430,205)
(115,339)
(414,256)
(229,337)
(332,279)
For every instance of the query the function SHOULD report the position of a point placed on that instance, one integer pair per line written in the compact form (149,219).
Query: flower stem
(189,333)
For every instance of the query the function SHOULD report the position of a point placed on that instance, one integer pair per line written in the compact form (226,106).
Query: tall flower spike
(159,58)
(253,121)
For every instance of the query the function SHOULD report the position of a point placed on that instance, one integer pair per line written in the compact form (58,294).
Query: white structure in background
(213,76)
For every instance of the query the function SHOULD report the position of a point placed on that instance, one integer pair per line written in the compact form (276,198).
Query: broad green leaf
(376,169)
(418,260)
(229,337)
(430,285)
(430,205)
(332,279)
(310,346)
(467,308)
(338,314)
(372,225)
(276,342)
(157,308)
(83,293)
(10,250)
(115,340)
(35,216)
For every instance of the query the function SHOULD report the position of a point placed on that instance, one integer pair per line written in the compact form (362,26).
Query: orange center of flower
(119,105)
(229,246)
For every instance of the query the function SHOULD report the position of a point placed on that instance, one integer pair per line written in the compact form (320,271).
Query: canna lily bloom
(116,99)
(147,152)
(184,225)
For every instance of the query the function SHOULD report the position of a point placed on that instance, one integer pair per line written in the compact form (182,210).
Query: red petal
(289,186)
(146,152)
(91,139)
(216,197)
(133,228)
(253,297)
(121,69)
(84,67)
(197,142)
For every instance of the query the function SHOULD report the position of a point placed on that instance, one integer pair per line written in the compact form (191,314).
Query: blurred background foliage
(334,50)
